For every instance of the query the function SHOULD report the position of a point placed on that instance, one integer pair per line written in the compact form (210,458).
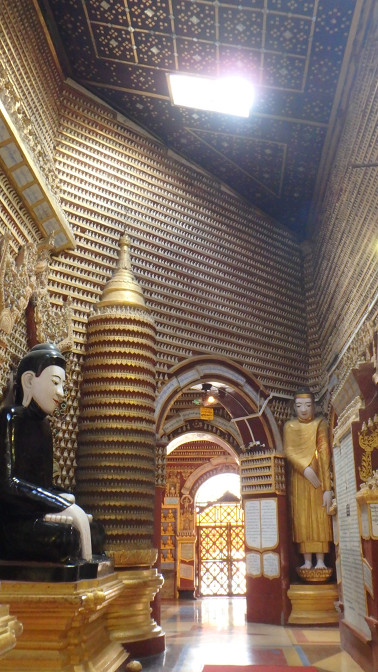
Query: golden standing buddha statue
(307,450)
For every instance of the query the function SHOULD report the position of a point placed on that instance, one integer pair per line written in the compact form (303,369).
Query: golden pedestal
(10,628)
(129,617)
(313,604)
(64,626)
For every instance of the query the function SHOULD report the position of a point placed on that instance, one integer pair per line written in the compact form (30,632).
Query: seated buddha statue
(38,521)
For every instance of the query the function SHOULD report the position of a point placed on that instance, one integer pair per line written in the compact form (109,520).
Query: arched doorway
(201,446)
(220,539)
(246,400)
(191,461)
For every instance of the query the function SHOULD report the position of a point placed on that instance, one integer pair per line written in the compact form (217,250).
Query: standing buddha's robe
(306,444)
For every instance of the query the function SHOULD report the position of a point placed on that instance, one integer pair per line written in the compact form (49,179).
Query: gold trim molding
(30,185)
(64,625)
(10,629)
(134,557)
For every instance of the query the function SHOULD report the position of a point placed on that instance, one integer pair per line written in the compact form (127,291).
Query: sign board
(206,413)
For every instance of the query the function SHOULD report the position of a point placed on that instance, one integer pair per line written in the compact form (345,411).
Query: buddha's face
(48,388)
(304,407)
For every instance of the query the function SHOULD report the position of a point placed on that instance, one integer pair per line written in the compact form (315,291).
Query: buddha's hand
(68,496)
(58,518)
(311,476)
(327,499)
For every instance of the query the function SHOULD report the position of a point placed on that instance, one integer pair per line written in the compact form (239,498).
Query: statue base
(10,629)
(314,575)
(64,626)
(313,604)
(129,618)
(51,572)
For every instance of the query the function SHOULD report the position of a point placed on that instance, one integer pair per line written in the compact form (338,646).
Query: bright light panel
(228,95)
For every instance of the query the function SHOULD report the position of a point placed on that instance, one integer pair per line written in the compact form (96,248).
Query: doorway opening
(220,539)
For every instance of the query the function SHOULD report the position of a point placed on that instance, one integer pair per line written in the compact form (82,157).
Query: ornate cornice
(358,352)
(24,280)
(344,421)
(134,557)
(25,130)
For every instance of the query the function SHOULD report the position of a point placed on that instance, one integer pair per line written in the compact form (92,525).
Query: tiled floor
(214,631)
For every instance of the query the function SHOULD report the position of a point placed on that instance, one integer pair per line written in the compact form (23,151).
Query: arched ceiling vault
(193,437)
(214,467)
(197,457)
(245,404)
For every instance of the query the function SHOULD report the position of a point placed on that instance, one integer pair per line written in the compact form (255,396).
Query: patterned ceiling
(293,50)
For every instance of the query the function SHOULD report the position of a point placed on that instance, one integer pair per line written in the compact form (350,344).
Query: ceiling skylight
(227,95)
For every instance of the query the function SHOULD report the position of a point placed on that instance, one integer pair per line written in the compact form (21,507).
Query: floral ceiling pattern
(295,51)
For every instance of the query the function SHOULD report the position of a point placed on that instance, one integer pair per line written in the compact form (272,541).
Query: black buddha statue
(38,522)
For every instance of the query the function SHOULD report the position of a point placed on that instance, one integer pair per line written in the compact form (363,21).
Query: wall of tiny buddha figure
(340,260)
(219,276)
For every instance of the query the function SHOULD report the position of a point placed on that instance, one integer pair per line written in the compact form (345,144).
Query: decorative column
(116,445)
(160,479)
(263,490)
(186,549)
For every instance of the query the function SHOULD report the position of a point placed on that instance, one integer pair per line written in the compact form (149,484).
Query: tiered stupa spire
(116,471)
(122,289)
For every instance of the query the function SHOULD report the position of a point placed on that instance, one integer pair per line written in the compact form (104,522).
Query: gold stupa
(116,471)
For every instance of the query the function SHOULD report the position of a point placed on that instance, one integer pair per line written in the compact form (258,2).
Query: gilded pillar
(116,443)
(116,468)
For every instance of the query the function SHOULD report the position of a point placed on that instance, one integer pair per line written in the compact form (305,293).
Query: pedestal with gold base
(313,604)
(10,629)
(64,626)
(129,617)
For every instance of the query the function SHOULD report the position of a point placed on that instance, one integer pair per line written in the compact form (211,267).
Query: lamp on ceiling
(208,397)
(212,394)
